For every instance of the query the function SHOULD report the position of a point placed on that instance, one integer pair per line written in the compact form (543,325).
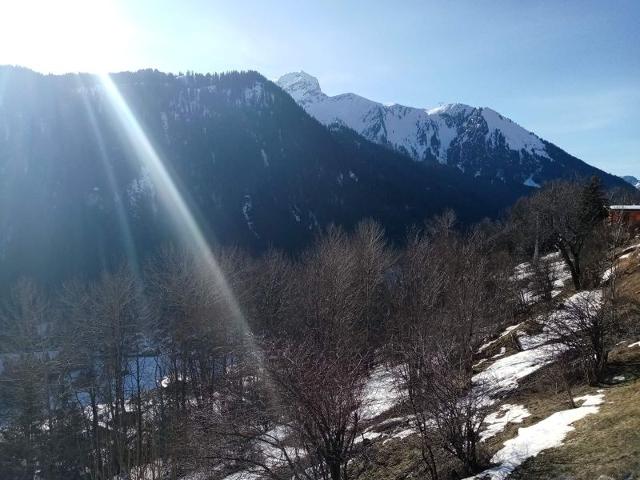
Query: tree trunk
(335,470)
(573,265)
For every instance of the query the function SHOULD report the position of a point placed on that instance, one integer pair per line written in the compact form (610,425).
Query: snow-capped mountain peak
(301,86)
(479,141)
(450,109)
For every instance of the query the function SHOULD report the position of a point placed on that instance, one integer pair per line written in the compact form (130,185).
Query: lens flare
(171,198)
(123,223)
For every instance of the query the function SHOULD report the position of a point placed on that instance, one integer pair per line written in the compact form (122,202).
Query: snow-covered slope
(423,133)
(479,141)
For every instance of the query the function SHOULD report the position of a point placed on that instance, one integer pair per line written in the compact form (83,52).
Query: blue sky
(568,70)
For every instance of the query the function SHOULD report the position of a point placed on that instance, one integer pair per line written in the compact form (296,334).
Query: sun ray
(174,202)
(123,223)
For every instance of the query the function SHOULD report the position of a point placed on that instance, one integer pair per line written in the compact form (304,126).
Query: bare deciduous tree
(563,215)
(446,299)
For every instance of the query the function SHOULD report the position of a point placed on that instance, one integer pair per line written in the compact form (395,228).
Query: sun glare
(175,204)
(65,35)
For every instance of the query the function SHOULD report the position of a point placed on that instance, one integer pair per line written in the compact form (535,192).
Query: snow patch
(404,433)
(530,182)
(247,206)
(503,350)
(548,433)
(587,299)
(506,332)
(608,273)
(243,475)
(497,421)
(539,350)
(503,374)
(272,448)
(380,393)
(295,211)
(368,436)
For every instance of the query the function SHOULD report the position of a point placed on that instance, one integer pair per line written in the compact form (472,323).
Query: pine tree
(593,206)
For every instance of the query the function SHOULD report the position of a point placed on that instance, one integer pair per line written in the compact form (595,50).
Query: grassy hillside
(605,442)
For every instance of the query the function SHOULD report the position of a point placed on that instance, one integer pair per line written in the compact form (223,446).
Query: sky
(567,70)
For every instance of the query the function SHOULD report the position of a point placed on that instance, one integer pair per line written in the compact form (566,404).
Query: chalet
(629,214)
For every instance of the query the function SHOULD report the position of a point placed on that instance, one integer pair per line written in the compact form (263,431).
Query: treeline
(158,371)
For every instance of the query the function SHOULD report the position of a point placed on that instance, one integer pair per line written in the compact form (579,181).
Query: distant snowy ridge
(478,141)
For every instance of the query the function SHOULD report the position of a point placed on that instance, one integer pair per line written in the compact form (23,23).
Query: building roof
(624,207)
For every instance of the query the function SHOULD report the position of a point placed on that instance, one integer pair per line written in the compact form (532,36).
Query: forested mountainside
(254,167)
(478,141)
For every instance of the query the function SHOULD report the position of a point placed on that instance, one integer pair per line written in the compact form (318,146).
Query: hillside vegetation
(509,349)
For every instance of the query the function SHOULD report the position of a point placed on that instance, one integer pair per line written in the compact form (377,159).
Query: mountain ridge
(477,140)
(254,167)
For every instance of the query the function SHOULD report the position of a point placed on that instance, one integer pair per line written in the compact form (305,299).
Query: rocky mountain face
(478,141)
(254,168)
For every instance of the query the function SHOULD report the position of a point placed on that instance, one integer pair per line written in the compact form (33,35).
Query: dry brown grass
(394,460)
(542,396)
(623,356)
(607,443)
